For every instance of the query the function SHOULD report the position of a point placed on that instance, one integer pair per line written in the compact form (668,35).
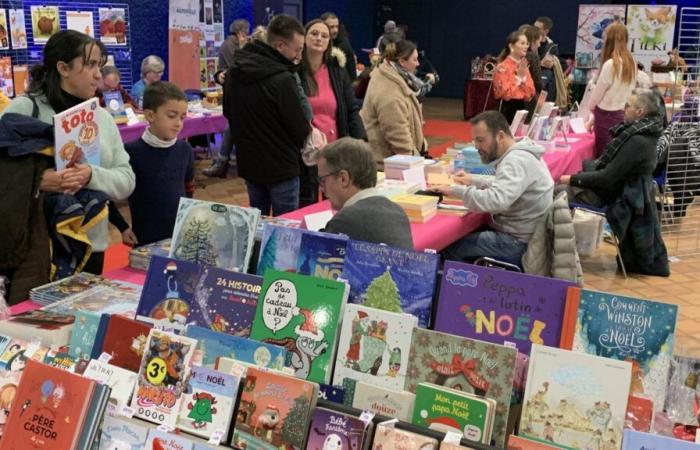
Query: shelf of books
(326,343)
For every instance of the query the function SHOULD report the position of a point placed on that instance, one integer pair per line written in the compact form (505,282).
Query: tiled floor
(600,271)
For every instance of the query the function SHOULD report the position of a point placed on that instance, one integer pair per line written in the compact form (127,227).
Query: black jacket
(267,122)
(343,43)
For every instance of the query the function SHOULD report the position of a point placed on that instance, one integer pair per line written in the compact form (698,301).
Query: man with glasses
(266,118)
(341,40)
(347,175)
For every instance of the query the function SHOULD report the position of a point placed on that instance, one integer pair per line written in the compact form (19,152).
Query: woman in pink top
(329,90)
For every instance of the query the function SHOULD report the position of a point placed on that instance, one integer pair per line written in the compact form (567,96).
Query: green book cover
(446,410)
(301,314)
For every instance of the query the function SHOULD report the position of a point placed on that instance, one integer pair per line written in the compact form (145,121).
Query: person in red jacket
(512,82)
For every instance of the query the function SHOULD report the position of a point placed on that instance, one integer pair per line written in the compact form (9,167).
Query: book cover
(374,346)
(209,403)
(392,279)
(17,352)
(8,393)
(20,78)
(301,314)
(499,306)
(121,300)
(629,329)
(160,440)
(62,289)
(384,402)
(76,135)
(321,255)
(112,26)
(523,443)
(575,400)
(274,411)
(333,394)
(279,248)
(53,407)
(386,437)
(468,365)
(6,77)
(119,433)
(212,345)
(114,103)
(214,234)
(18,30)
(636,440)
(281,221)
(63,361)
(330,430)
(80,21)
(83,335)
(162,378)
(4,38)
(125,341)
(121,381)
(45,23)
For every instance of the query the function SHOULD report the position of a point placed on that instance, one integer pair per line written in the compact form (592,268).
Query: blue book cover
(392,279)
(321,255)
(279,249)
(212,345)
(637,440)
(100,336)
(83,335)
(629,329)
(114,103)
(333,394)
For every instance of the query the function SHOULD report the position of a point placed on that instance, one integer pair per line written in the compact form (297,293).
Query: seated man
(517,198)
(347,175)
(631,153)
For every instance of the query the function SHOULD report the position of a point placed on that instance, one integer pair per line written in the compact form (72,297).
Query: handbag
(313,145)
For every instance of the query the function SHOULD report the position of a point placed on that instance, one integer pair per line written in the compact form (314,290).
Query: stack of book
(140,257)
(390,188)
(418,208)
(62,289)
(473,163)
(395,165)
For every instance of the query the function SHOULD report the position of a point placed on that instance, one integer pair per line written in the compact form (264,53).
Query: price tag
(165,428)
(366,417)
(510,344)
(452,437)
(105,357)
(216,437)
(391,423)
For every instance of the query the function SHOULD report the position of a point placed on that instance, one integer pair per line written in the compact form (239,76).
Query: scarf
(414,83)
(622,133)
(154,141)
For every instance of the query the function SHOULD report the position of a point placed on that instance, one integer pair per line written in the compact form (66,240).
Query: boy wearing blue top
(163,165)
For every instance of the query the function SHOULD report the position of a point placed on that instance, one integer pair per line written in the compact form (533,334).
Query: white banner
(184,15)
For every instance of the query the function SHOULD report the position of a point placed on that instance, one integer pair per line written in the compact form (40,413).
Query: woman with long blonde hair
(616,80)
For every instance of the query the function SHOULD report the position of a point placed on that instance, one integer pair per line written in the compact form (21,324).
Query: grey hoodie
(519,194)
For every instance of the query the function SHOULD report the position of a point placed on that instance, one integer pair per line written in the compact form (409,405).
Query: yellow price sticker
(156,371)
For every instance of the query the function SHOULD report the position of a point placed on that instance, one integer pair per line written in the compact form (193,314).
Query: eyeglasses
(322,178)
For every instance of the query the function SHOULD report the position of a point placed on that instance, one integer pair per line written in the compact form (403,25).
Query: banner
(651,31)
(183,58)
(592,22)
(183,15)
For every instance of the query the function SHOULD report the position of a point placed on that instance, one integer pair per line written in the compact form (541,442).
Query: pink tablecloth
(568,161)
(193,126)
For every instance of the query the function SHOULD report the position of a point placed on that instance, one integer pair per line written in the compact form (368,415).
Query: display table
(475,93)
(192,126)
(569,161)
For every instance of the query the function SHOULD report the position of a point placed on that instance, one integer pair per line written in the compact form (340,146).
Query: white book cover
(121,381)
(374,346)
(18,29)
(119,433)
(384,402)
(80,21)
(77,135)
(518,120)
(575,400)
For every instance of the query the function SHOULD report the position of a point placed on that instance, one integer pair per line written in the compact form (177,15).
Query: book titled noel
(629,329)
(499,306)
(392,279)
(76,135)
(214,234)
(374,346)
(162,378)
(331,430)
(301,314)
(575,400)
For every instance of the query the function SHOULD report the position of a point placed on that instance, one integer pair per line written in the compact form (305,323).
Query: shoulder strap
(35,107)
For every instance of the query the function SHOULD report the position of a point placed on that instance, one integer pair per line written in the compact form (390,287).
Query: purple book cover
(502,307)
(332,430)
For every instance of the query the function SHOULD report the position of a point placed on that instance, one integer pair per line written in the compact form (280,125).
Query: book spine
(568,328)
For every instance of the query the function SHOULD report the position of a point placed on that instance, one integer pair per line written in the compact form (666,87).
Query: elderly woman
(111,81)
(152,68)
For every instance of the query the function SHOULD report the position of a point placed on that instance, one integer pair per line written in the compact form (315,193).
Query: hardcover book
(629,329)
(162,378)
(333,394)
(160,440)
(121,300)
(212,345)
(636,440)
(384,402)
(386,437)
(76,135)
(119,433)
(120,381)
(523,443)
(331,430)
(8,392)
(214,234)
(279,248)
(480,368)
(114,104)
(84,333)
(374,346)
(274,411)
(125,341)
(392,279)
(498,306)
(17,352)
(575,400)
(301,314)
(321,255)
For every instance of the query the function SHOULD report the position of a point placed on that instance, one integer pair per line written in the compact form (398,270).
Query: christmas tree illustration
(295,424)
(201,409)
(382,293)
(196,244)
(267,260)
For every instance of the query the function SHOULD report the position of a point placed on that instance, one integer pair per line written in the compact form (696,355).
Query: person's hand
(430,78)
(75,178)
(441,188)
(565,179)
(523,68)
(462,178)
(220,78)
(589,125)
(129,238)
(51,180)
(547,62)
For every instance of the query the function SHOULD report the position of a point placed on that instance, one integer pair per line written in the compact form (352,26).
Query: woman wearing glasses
(152,68)
(329,90)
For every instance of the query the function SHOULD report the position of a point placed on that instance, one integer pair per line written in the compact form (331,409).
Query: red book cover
(639,413)
(125,340)
(568,328)
(49,409)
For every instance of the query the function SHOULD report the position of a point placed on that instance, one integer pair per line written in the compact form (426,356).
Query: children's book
(45,23)
(279,248)
(140,257)
(162,378)
(301,314)
(18,30)
(6,77)
(335,394)
(331,430)
(76,135)
(476,367)
(274,410)
(382,401)
(575,400)
(499,306)
(374,347)
(212,345)
(83,336)
(18,352)
(125,341)
(321,255)
(8,393)
(114,104)
(392,279)
(121,381)
(387,437)
(636,440)
(120,433)
(214,234)
(50,409)
(523,443)
(629,329)
(63,361)
(160,440)
(121,300)
(209,403)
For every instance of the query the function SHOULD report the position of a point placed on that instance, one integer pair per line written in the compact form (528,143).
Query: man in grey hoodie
(517,197)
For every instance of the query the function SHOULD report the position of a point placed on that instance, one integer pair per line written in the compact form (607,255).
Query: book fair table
(192,126)
(568,161)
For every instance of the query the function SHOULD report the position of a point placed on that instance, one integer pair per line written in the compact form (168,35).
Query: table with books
(192,126)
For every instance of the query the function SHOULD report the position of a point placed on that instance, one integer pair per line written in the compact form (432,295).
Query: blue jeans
(283,197)
(494,244)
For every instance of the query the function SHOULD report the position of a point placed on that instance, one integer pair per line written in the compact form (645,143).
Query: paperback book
(76,135)
(384,402)
(120,381)
(331,430)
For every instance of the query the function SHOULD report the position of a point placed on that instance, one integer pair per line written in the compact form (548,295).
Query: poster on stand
(592,22)
(651,31)
(112,26)
(18,30)
(80,21)
(4,39)
(44,23)
(183,58)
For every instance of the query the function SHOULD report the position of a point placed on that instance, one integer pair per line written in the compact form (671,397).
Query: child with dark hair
(164,166)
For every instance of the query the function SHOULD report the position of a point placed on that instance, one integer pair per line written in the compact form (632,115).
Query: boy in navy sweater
(163,165)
